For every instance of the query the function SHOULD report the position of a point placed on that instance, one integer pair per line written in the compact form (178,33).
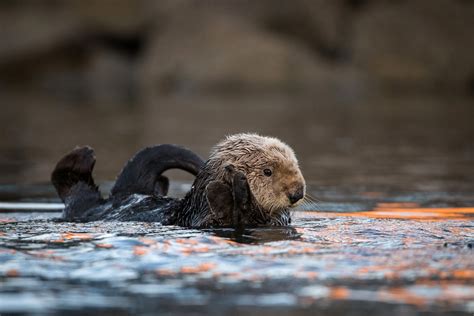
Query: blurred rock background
(121,74)
(113,49)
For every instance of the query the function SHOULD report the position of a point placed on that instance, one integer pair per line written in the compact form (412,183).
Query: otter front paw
(221,202)
(241,195)
(229,201)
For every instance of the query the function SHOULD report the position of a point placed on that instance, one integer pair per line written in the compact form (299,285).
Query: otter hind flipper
(142,173)
(75,185)
(76,167)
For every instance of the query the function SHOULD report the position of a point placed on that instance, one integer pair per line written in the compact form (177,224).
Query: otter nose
(296,196)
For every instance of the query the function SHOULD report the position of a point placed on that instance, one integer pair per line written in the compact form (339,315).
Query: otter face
(272,170)
(277,183)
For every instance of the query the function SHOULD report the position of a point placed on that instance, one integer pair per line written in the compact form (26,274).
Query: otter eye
(267,172)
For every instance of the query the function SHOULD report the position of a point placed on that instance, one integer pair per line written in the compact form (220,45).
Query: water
(392,232)
(372,252)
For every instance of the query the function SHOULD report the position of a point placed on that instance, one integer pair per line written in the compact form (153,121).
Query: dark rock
(110,77)
(32,27)
(419,44)
(118,17)
(209,51)
(342,47)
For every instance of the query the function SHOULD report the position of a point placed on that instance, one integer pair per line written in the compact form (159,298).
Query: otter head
(271,168)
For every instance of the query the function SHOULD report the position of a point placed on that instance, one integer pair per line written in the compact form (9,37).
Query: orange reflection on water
(339,293)
(203,267)
(402,295)
(405,211)
(82,236)
(190,250)
(418,295)
(464,274)
(140,250)
(105,246)
(12,273)
(70,236)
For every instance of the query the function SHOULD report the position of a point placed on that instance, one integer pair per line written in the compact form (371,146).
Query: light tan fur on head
(257,156)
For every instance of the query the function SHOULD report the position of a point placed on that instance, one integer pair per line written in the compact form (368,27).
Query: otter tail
(142,173)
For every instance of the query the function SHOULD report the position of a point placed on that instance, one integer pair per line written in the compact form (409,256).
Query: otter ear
(220,200)
(229,167)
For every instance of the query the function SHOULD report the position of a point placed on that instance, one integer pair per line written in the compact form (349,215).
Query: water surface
(391,233)
(394,254)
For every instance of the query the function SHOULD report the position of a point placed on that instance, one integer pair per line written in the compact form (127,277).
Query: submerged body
(134,207)
(248,180)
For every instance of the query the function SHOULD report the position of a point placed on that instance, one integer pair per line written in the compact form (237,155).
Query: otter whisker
(312,198)
(303,203)
(310,203)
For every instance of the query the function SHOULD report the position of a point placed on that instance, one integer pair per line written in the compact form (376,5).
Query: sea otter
(248,180)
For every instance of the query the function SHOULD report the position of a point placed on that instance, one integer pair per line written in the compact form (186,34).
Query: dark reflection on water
(379,142)
(257,235)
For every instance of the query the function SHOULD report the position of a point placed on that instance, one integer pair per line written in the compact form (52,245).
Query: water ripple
(324,261)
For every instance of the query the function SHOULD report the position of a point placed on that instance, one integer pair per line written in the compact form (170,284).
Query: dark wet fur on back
(138,194)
